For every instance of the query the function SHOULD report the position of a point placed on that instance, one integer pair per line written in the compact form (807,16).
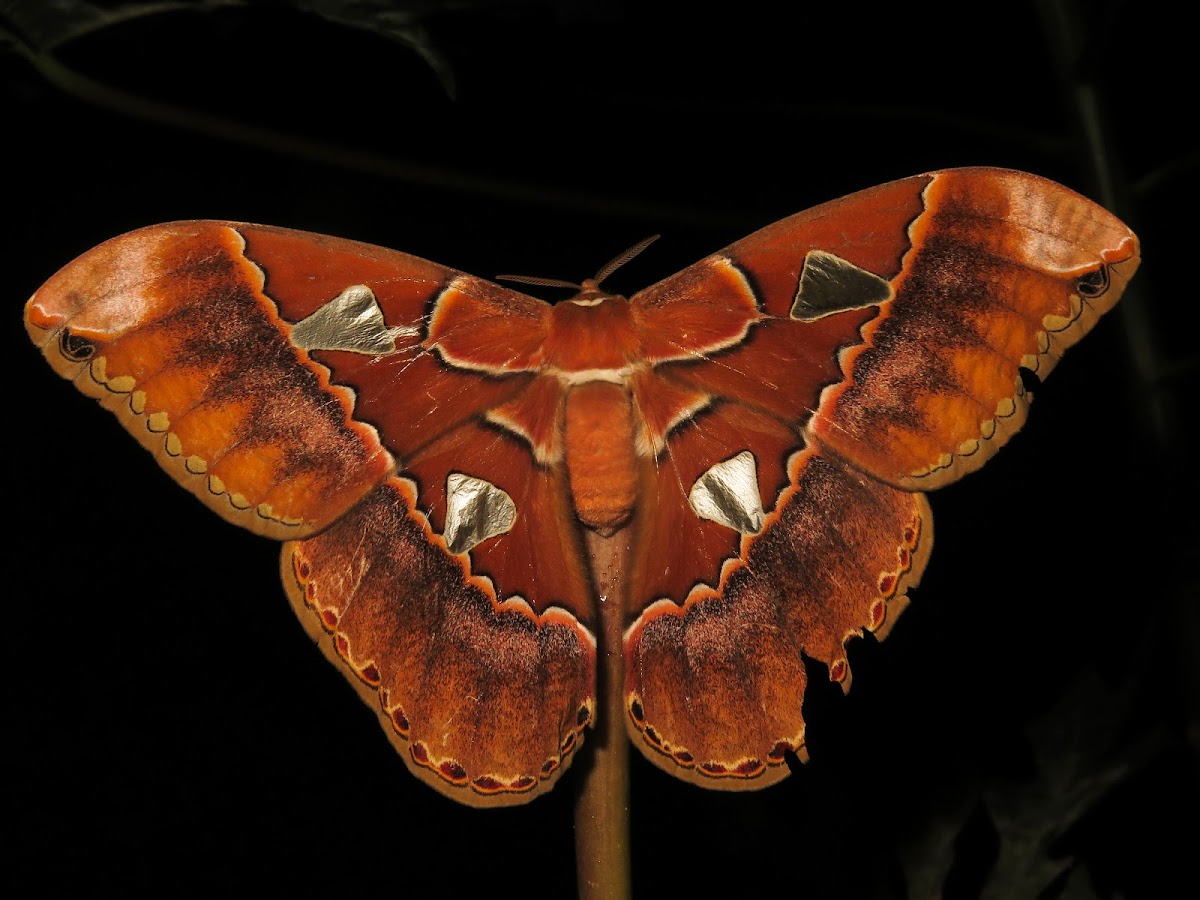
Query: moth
(441,455)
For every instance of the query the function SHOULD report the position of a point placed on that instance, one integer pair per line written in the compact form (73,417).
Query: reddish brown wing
(781,515)
(287,380)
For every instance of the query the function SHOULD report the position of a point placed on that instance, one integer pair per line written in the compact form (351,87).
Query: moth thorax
(593,331)
(601,459)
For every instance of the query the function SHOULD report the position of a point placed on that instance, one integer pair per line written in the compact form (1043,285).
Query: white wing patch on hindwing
(728,494)
(475,511)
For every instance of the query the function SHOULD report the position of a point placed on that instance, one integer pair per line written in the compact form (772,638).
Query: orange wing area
(1006,270)
(283,377)
(169,327)
(485,699)
(714,686)
(969,275)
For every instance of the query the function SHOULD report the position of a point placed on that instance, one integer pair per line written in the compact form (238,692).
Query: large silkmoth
(441,455)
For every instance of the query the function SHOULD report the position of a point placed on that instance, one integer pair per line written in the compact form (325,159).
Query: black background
(177,732)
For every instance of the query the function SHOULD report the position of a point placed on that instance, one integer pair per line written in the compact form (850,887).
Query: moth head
(590,293)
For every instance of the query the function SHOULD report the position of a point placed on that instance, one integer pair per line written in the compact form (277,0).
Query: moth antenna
(540,282)
(605,270)
(620,259)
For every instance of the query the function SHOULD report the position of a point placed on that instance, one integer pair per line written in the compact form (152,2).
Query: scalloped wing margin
(971,275)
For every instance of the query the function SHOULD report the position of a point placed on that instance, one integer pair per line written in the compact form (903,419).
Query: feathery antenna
(605,270)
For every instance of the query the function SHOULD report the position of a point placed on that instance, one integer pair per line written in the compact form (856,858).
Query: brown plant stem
(602,861)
